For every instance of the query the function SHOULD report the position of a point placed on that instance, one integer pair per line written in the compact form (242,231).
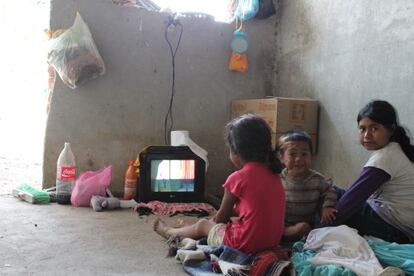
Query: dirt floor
(58,239)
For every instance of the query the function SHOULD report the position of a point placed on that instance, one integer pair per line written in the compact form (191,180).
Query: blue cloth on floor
(394,254)
(388,253)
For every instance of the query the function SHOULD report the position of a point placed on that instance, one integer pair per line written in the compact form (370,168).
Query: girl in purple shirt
(378,203)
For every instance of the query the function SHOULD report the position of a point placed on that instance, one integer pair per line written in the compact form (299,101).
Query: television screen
(172,175)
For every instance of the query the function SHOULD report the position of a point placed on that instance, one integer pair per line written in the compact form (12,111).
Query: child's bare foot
(181,223)
(161,227)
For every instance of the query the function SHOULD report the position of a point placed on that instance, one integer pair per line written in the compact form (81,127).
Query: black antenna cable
(171,21)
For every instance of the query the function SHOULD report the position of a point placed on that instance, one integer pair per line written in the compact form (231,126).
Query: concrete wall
(109,119)
(344,54)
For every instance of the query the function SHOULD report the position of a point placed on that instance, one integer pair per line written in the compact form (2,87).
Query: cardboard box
(282,114)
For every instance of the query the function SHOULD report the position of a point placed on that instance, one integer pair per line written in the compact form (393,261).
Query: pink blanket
(164,208)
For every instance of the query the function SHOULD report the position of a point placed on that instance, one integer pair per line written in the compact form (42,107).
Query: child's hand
(328,215)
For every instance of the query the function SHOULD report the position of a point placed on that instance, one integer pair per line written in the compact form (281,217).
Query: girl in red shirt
(254,193)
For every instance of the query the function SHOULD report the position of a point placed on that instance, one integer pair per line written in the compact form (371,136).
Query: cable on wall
(169,120)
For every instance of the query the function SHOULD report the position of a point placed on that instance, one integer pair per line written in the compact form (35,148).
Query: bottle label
(66,173)
(130,183)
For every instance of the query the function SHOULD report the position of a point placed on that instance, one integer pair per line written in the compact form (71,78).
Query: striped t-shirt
(304,199)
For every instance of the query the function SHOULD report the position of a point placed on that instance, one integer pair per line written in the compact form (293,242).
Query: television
(170,174)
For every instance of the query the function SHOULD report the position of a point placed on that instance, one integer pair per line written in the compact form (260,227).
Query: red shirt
(260,206)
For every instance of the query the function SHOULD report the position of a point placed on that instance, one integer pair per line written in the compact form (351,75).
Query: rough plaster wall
(109,119)
(344,54)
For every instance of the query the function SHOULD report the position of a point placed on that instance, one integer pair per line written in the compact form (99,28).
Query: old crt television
(171,174)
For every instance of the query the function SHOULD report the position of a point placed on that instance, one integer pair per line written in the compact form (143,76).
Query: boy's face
(297,158)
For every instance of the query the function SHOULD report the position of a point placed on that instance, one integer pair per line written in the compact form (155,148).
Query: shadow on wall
(294,76)
(294,38)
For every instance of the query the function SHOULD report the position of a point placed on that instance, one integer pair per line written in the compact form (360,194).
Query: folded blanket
(271,262)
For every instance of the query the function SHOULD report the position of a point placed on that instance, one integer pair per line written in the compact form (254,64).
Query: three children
(254,193)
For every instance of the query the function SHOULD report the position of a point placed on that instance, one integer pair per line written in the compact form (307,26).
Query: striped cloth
(306,198)
(165,208)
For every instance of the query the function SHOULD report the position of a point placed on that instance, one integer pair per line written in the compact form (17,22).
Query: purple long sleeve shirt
(355,197)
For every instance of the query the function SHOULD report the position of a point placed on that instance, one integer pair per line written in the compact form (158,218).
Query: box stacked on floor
(282,114)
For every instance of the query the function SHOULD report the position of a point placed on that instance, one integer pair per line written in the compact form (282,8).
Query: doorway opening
(23,98)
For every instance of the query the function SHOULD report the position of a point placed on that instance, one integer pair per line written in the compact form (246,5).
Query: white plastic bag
(74,55)
(246,9)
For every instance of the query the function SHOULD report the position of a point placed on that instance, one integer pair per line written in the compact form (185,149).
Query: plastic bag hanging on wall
(246,9)
(74,56)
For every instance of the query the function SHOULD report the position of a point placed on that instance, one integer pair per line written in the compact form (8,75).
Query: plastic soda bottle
(65,175)
(131,180)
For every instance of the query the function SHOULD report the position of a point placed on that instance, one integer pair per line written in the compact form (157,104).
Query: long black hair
(249,136)
(384,113)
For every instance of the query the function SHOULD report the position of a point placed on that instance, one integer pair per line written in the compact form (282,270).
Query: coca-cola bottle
(65,176)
